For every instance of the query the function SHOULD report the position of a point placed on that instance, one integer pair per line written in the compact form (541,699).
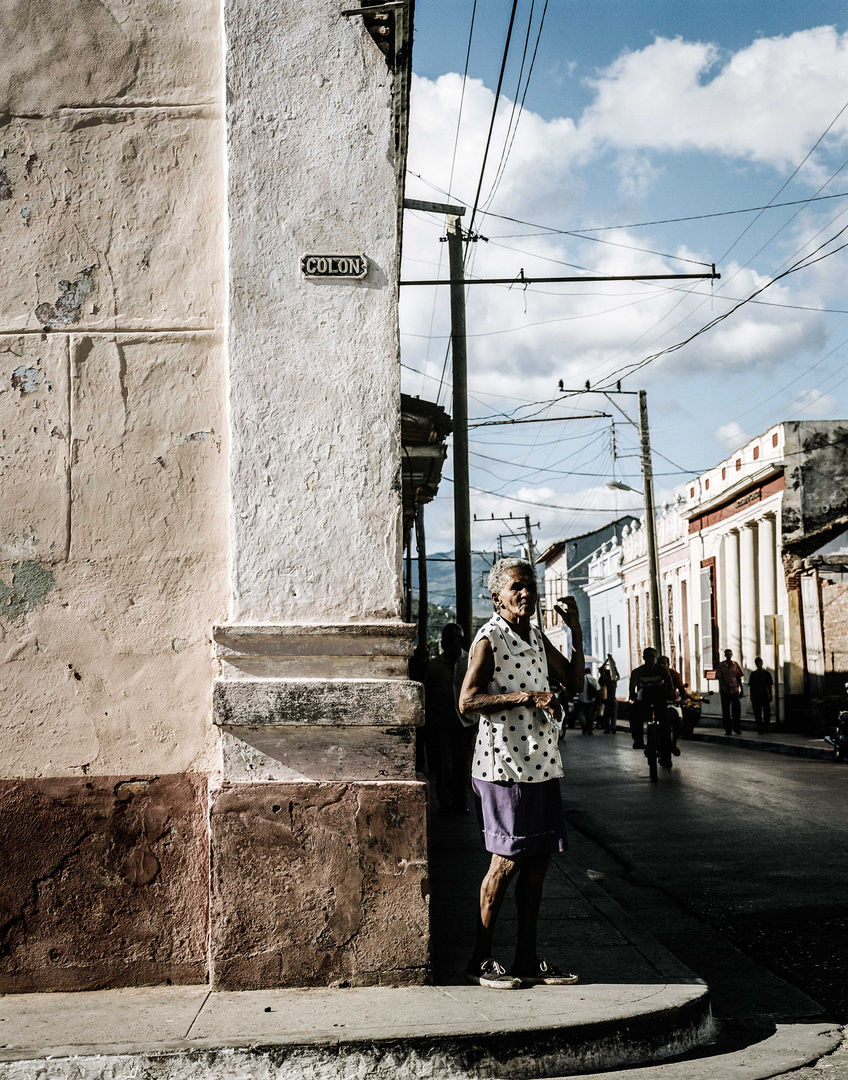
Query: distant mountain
(441,583)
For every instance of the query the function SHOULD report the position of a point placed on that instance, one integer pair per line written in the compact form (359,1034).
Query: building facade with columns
(208,756)
(756,522)
(750,560)
(734,517)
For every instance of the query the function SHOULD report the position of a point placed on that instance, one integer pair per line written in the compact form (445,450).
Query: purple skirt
(520,819)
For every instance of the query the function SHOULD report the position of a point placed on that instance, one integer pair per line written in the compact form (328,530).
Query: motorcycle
(838,738)
(691,710)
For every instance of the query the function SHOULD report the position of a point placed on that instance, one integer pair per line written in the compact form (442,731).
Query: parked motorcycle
(838,737)
(691,710)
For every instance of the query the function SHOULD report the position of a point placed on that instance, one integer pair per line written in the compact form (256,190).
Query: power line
(504,160)
(802,264)
(551,230)
(494,113)
(501,162)
(788,181)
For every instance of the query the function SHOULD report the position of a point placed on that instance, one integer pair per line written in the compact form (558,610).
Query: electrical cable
(550,230)
(500,164)
(494,113)
(802,264)
(505,159)
(786,184)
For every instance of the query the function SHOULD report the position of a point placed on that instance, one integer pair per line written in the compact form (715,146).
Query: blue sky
(635,112)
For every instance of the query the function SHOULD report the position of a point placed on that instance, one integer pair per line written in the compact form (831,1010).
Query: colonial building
(607,605)
(208,741)
(751,558)
(673,554)
(566,564)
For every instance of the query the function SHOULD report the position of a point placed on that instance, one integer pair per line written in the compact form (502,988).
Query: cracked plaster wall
(114,538)
(315,469)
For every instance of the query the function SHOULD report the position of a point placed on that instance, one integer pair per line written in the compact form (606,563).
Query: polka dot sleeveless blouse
(519,743)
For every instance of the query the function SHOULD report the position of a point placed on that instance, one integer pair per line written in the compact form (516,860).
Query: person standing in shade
(761,691)
(730,679)
(608,678)
(517,768)
(587,702)
(445,735)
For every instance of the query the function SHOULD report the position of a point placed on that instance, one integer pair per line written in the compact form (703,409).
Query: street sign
(773,626)
(351,267)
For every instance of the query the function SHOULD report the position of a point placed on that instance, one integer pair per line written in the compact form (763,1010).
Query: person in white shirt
(516,766)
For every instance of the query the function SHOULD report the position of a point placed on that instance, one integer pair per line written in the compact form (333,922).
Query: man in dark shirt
(760,687)
(448,741)
(730,678)
(650,692)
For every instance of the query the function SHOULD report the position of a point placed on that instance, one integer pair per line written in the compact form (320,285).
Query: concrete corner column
(318,834)
(749,595)
(768,573)
(732,616)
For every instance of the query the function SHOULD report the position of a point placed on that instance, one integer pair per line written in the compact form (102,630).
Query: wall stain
(25,379)
(72,295)
(31,582)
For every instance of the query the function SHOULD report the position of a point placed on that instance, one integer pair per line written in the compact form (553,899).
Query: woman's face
(517,598)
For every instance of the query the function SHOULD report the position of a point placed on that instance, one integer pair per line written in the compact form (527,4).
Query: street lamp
(617,485)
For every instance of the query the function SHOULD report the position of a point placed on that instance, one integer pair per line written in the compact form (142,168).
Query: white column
(749,598)
(732,620)
(768,568)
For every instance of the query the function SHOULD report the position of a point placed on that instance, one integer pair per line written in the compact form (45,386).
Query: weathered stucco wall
(113,538)
(104,883)
(815,506)
(315,469)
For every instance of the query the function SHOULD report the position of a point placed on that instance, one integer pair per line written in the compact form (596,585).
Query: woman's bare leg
(495,884)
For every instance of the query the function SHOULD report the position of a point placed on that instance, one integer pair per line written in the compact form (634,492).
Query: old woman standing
(516,766)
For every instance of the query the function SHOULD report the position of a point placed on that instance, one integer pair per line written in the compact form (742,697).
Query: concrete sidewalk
(774,742)
(635,1003)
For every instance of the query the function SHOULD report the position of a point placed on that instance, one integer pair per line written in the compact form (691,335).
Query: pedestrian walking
(587,702)
(730,683)
(761,691)
(517,766)
(608,678)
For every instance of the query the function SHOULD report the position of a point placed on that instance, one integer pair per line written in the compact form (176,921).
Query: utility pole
(528,532)
(457,283)
(648,494)
(531,551)
(650,521)
(421,547)
(461,491)
(407,606)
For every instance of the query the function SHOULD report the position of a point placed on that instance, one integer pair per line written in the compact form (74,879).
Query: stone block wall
(319,884)
(165,481)
(113,482)
(104,883)
(834,610)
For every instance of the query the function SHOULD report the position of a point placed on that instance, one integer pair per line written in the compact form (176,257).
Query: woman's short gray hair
(497,575)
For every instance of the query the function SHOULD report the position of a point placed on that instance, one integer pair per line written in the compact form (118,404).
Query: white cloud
(813,404)
(769,102)
(731,434)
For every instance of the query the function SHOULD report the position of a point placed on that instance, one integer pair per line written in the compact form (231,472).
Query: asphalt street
(736,860)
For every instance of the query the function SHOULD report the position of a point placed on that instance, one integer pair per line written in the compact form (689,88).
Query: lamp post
(653,563)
